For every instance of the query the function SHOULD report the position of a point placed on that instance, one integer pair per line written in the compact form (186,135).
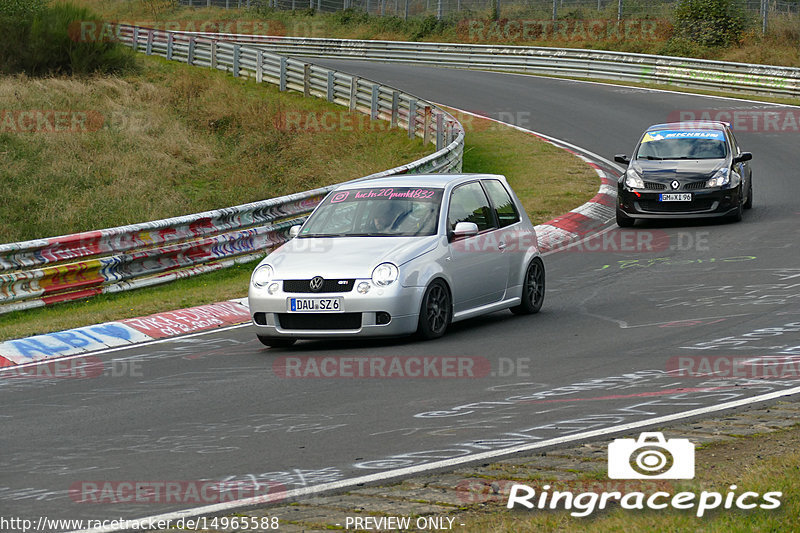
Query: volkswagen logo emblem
(316,283)
(675,184)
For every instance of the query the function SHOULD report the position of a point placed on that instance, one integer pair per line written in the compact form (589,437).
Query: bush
(39,42)
(710,22)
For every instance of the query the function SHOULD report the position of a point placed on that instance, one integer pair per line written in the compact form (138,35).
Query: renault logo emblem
(316,283)
(675,184)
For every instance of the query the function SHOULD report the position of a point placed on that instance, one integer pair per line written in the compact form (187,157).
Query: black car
(685,170)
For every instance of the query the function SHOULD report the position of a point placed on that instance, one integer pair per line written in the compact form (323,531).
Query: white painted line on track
(388,475)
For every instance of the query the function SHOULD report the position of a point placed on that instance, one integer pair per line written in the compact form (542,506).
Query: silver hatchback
(400,255)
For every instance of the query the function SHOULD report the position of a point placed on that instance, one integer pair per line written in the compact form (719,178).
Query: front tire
(532,289)
(276,342)
(749,203)
(436,311)
(624,221)
(737,215)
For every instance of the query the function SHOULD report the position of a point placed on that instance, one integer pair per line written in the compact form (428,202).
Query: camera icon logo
(651,457)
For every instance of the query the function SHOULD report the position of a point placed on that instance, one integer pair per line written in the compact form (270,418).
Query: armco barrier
(47,271)
(596,64)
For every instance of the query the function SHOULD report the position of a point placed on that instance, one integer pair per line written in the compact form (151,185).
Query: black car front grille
(291,321)
(328,285)
(695,185)
(677,207)
(654,186)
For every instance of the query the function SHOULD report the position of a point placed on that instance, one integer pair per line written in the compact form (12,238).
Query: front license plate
(315,305)
(675,197)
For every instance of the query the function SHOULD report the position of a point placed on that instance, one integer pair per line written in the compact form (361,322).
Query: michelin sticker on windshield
(683,134)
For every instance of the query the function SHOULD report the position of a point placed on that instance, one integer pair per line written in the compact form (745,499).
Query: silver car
(395,256)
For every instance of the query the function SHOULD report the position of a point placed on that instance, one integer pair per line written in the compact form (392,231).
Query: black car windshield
(376,212)
(683,144)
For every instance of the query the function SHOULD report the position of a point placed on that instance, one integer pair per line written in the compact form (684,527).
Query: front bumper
(364,312)
(705,203)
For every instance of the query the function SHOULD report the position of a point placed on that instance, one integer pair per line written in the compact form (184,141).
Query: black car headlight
(633,180)
(721,177)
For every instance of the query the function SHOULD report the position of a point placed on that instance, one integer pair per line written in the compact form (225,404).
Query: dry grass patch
(173,140)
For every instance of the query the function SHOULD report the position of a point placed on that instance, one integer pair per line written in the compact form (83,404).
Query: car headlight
(262,276)
(722,177)
(384,274)
(633,179)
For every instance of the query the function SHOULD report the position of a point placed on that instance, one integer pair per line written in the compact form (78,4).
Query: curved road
(215,406)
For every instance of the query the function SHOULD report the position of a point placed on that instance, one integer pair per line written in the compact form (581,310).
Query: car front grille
(328,285)
(654,186)
(677,207)
(695,185)
(291,321)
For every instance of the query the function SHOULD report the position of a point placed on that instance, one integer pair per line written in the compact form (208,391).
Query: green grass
(549,181)
(760,464)
(172,140)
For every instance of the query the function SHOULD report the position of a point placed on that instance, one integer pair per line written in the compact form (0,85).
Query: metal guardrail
(47,271)
(571,62)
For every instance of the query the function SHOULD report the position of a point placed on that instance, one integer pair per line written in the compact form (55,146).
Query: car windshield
(682,144)
(376,212)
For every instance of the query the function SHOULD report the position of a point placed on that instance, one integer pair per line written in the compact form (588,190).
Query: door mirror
(294,231)
(464,229)
(622,158)
(741,158)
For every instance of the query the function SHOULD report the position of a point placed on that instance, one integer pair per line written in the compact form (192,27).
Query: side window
(468,203)
(734,143)
(503,205)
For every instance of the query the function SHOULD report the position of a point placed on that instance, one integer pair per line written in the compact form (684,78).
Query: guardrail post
(149,48)
(214,54)
(395,107)
(135,43)
(426,125)
(439,131)
(330,86)
(412,118)
(353,93)
(190,57)
(259,66)
(170,38)
(306,80)
(373,112)
(236,60)
(282,82)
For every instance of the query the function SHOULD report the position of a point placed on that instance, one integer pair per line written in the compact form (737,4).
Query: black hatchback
(685,170)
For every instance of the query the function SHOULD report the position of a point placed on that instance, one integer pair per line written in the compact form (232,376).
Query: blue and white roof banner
(716,135)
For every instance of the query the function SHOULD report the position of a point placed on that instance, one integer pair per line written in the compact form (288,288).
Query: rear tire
(624,221)
(532,289)
(436,311)
(276,342)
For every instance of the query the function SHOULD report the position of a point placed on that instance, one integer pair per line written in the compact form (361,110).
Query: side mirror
(741,158)
(622,158)
(294,231)
(464,229)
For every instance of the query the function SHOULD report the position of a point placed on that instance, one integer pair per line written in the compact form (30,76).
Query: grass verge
(548,180)
(758,463)
(171,140)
